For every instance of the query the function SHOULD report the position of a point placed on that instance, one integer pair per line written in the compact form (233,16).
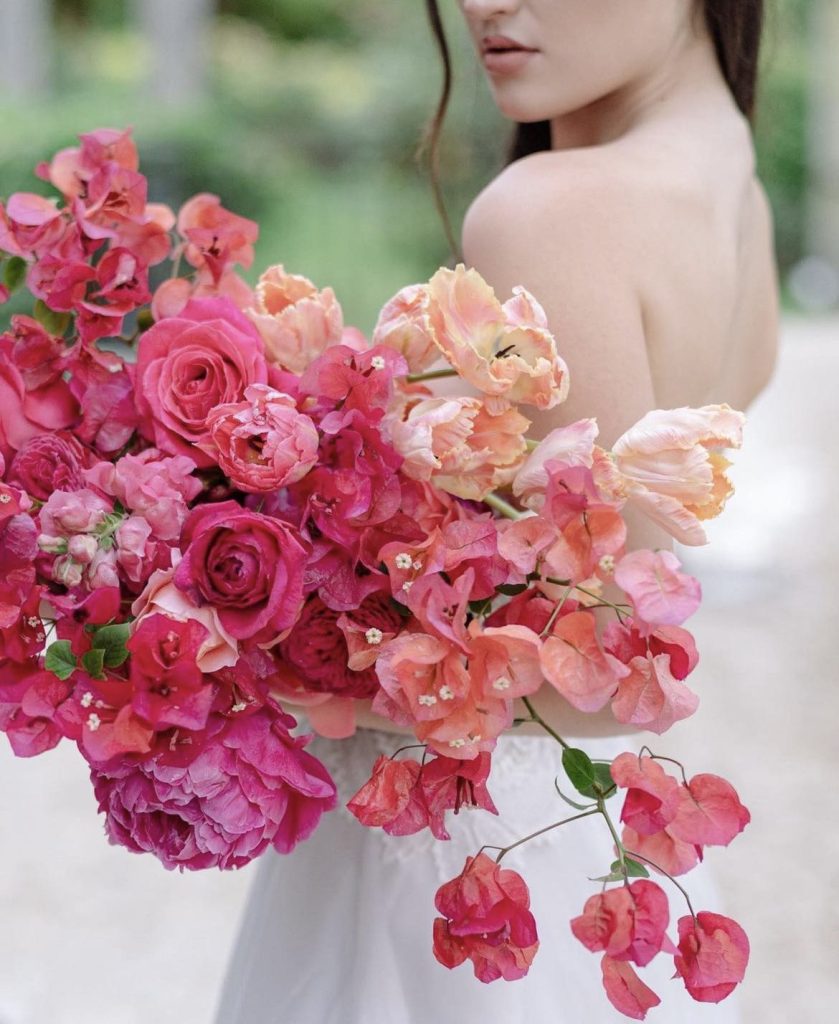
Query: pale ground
(92,935)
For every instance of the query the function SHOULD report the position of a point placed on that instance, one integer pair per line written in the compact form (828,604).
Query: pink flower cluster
(243,506)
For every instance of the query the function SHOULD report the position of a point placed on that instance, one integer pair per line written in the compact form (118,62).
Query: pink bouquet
(260,510)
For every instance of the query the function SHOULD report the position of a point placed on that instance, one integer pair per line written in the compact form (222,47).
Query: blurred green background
(309,120)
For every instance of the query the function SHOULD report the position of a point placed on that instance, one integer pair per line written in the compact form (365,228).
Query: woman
(632,212)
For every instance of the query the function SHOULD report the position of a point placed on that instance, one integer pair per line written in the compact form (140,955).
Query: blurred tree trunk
(177,33)
(24,47)
(823,197)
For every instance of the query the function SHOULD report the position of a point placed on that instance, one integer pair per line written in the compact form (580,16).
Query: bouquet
(221,507)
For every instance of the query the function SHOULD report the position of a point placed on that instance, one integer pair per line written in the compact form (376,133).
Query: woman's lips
(504,56)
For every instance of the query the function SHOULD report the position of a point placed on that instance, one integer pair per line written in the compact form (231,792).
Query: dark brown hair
(736,27)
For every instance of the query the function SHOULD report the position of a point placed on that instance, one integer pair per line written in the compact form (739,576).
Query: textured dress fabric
(339,931)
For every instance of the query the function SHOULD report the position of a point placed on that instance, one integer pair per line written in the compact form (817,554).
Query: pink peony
(486,918)
(252,786)
(296,321)
(246,565)
(672,466)
(188,365)
(262,443)
(713,955)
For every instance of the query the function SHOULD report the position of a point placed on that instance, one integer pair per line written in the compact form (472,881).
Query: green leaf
(580,770)
(511,589)
(55,323)
(60,659)
(93,662)
(604,784)
(111,640)
(480,607)
(633,868)
(615,876)
(14,273)
(568,800)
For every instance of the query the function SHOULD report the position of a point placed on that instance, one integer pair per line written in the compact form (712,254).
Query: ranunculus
(189,364)
(486,918)
(262,443)
(459,444)
(403,324)
(504,351)
(297,322)
(248,566)
(252,786)
(713,955)
(672,466)
(47,463)
(628,922)
(317,650)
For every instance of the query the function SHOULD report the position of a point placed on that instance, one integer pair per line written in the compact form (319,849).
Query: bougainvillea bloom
(486,919)
(652,796)
(625,990)
(713,955)
(660,594)
(627,923)
(391,799)
(577,666)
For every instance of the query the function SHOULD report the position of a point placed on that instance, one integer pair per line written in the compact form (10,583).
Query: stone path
(92,935)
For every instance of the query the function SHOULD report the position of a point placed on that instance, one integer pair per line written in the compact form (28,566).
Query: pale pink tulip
(403,324)
(564,447)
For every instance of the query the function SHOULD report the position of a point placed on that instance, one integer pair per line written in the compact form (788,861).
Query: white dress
(339,931)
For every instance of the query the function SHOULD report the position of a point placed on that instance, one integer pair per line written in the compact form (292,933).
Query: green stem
(504,507)
(601,809)
(536,717)
(416,378)
(658,867)
(506,849)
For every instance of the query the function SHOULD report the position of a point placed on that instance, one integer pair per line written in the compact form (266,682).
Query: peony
(713,955)
(487,920)
(246,565)
(672,466)
(189,364)
(262,443)
(252,786)
(504,351)
(296,321)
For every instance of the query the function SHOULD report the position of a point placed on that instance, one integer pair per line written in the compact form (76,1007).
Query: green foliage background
(311,123)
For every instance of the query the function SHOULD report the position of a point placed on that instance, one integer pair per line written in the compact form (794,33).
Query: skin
(644,232)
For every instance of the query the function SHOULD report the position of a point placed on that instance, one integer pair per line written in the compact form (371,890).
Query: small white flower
(607,564)
(87,699)
(5,498)
(406,586)
(93,721)
(240,706)
(374,636)
(457,743)
(446,693)
(40,637)
(502,683)
(427,699)
(33,621)
(403,560)
(416,565)
(378,362)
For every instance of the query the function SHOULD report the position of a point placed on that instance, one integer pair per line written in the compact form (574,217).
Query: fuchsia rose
(713,955)
(246,565)
(486,918)
(49,462)
(296,321)
(262,443)
(317,649)
(251,787)
(189,364)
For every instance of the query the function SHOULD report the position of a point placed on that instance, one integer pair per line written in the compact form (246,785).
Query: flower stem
(416,378)
(536,717)
(506,849)
(658,867)
(504,507)
(601,809)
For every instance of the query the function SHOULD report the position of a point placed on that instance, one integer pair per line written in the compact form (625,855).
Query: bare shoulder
(564,225)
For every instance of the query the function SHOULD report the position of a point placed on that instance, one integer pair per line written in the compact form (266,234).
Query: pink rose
(487,919)
(262,443)
(252,786)
(47,463)
(219,650)
(188,365)
(297,322)
(246,565)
